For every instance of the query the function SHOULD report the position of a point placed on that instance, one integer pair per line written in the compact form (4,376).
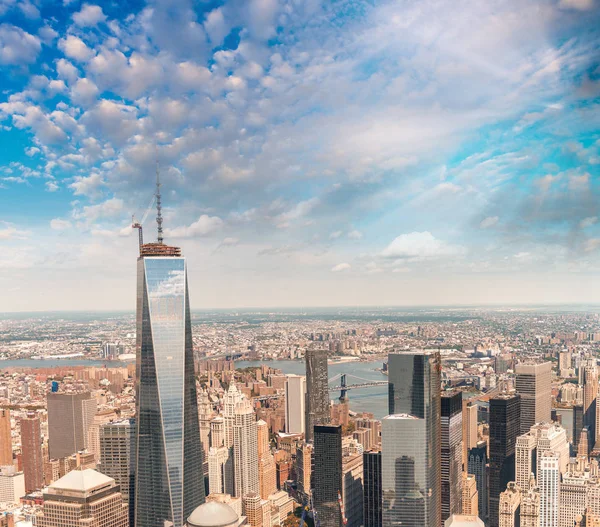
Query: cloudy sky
(312,152)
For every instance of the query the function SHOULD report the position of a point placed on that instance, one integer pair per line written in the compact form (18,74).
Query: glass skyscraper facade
(317,391)
(411,447)
(328,474)
(169,482)
(372,489)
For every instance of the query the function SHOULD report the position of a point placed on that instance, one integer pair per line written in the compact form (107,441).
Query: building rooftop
(81,481)
(402,416)
(213,514)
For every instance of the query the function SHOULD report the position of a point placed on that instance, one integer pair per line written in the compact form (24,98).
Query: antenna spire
(159,219)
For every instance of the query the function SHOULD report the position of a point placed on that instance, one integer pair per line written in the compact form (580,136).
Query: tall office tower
(205,414)
(477,466)
(411,445)
(530,506)
(452,431)
(469,424)
(463,520)
(295,400)
(304,468)
(372,489)
(577,424)
(589,375)
(504,421)
(230,400)
(12,485)
(217,432)
(552,437)
(469,501)
(549,482)
(267,470)
(117,453)
(84,497)
(6,456)
(317,391)
(245,450)
(70,416)
(583,448)
(101,417)
(169,481)
(573,496)
(31,449)
(328,474)
(533,384)
(525,460)
(219,480)
(352,489)
(564,363)
(509,505)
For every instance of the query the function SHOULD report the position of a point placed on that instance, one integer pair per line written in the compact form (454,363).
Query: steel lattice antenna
(159,219)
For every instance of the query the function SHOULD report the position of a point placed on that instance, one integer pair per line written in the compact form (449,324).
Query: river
(373,400)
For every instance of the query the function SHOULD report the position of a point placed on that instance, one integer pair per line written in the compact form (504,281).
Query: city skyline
(375,155)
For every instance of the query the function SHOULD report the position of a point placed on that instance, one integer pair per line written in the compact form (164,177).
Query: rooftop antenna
(159,219)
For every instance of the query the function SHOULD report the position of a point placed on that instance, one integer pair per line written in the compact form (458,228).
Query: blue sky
(312,153)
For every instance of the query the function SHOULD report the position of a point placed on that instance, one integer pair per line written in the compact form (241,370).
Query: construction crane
(341,502)
(159,219)
(138,224)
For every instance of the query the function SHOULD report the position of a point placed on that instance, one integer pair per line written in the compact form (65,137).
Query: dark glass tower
(317,391)
(477,465)
(169,482)
(505,417)
(577,424)
(372,489)
(451,454)
(411,446)
(328,474)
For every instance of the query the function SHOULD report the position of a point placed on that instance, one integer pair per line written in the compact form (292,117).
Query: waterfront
(372,400)
(61,363)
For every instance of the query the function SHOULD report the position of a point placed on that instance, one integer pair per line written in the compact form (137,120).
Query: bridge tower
(344,392)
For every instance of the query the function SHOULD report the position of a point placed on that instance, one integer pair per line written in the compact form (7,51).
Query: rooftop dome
(213,514)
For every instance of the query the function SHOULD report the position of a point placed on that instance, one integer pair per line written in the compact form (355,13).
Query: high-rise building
(411,446)
(6,455)
(101,417)
(352,489)
(470,503)
(218,471)
(217,432)
(304,466)
(451,473)
(577,424)
(463,520)
(205,415)
(267,470)
(549,483)
(589,374)
(117,454)
(230,400)
(525,460)
(469,424)
(372,495)
(574,491)
(31,450)
(84,498)
(70,416)
(530,506)
(295,401)
(552,437)
(12,485)
(245,450)
(477,466)
(509,505)
(317,391)
(169,481)
(533,384)
(328,477)
(504,421)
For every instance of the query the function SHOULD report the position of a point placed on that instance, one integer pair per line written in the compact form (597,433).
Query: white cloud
(335,235)
(66,70)
(32,150)
(340,267)
(581,5)
(60,225)
(419,245)
(588,222)
(88,186)
(298,211)
(204,226)
(355,235)
(90,15)
(488,222)
(84,92)
(9,231)
(17,46)
(75,48)
(111,208)
(51,186)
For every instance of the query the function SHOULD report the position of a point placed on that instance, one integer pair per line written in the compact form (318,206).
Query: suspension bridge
(343,387)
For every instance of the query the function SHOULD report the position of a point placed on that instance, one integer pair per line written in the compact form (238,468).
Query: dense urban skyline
(372,154)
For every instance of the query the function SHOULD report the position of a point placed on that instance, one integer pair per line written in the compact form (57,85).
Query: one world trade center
(169,482)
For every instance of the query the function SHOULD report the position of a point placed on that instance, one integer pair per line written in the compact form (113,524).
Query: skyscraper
(533,384)
(84,497)
(530,505)
(31,449)
(245,450)
(452,432)
(477,466)
(117,454)
(549,483)
(70,416)
(577,424)
(169,479)
(589,376)
(328,481)
(6,457)
(267,471)
(411,447)
(317,391)
(372,489)
(304,468)
(504,420)
(509,505)
(470,503)
(295,402)
(469,423)
(525,460)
